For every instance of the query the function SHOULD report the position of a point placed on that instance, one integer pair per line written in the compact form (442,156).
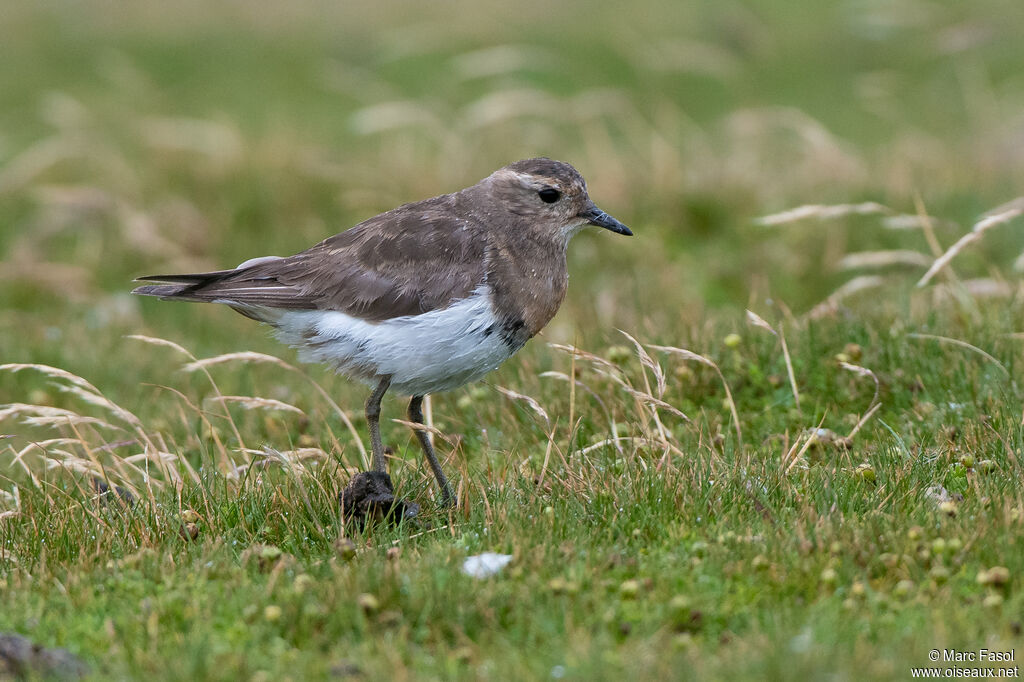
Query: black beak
(596,216)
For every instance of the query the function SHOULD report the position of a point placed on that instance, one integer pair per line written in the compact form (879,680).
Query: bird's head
(550,196)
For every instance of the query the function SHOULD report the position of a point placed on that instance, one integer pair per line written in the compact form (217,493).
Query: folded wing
(408,261)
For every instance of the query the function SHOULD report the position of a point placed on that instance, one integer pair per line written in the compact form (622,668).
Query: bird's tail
(181,287)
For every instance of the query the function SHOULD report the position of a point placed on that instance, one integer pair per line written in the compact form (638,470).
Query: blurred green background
(155,137)
(150,137)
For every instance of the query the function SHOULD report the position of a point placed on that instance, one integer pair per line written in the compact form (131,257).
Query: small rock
(370,495)
(485,565)
(996,576)
(265,556)
(21,657)
(629,589)
(106,495)
(986,466)
(937,494)
(345,548)
(993,601)
(189,531)
(368,603)
(903,588)
(346,669)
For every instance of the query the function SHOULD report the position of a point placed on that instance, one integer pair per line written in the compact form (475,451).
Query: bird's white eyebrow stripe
(526,179)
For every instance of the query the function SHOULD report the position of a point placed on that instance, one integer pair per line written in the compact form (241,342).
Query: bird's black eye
(549,195)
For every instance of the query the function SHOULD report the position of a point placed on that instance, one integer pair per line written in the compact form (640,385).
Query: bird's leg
(416,416)
(373,419)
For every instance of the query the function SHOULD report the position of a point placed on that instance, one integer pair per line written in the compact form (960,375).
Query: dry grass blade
(69,421)
(101,401)
(794,454)
(255,403)
(690,355)
(12,498)
(864,372)
(652,400)
(855,285)
(562,376)
(789,368)
(596,359)
(620,439)
(54,372)
(686,355)
(287,458)
(758,321)
(647,361)
(863,420)
(534,405)
(54,414)
(823,212)
(988,222)
(875,403)
(415,426)
(883,259)
(155,341)
(35,160)
(962,344)
(243,356)
(977,288)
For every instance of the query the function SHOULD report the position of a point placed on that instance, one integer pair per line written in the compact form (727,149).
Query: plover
(424,298)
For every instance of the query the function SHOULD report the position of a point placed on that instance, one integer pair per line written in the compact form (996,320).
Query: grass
(817,490)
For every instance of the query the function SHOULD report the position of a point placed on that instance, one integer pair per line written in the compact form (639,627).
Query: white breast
(435,351)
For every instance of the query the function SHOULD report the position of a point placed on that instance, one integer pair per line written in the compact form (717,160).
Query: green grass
(183,139)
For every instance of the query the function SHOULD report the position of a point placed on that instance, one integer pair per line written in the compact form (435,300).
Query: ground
(827,486)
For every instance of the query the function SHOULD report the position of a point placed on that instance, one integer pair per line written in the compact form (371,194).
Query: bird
(423,298)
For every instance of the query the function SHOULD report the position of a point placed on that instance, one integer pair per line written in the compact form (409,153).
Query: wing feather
(414,259)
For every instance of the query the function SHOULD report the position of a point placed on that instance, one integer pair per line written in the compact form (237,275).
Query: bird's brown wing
(408,261)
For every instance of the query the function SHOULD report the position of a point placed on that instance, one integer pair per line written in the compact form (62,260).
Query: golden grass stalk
(44,415)
(596,359)
(883,259)
(433,431)
(690,355)
(1008,213)
(533,404)
(243,356)
(873,406)
(961,344)
(759,322)
(54,372)
(250,356)
(979,287)
(855,285)
(620,439)
(255,403)
(646,361)
(823,212)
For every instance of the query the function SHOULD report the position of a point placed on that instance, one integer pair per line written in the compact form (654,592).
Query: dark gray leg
(416,416)
(373,419)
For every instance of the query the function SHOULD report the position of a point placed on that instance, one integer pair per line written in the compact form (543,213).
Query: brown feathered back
(408,261)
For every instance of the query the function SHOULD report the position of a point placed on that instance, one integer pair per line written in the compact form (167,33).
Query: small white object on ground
(485,565)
